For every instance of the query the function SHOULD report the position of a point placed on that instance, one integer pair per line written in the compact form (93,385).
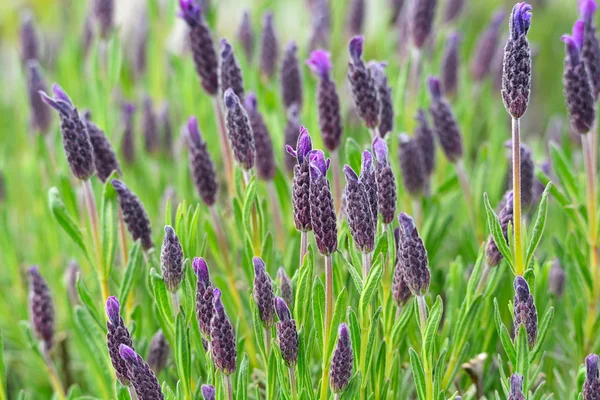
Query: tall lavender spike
(269,47)
(591,386)
(41,116)
(486,48)
(358,211)
(321,25)
(41,308)
(203,49)
(30,42)
(286,290)
(386,181)
(75,136)
(516,73)
(265,159)
(158,355)
(556,280)
(209,392)
(166,129)
(423,15)
(328,102)
(223,343)
(413,257)
(105,157)
(364,92)
(287,333)
(150,127)
(292,129)
(204,296)
(516,388)
(493,255)
(356,16)
(246,36)
(117,335)
(384,93)
(128,141)
(411,165)
(453,10)
(590,51)
(369,180)
(87,33)
(134,214)
(263,292)
(444,122)
(396,7)
(201,164)
(322,211)
(171,259)
(239,130)
(341,363)
(143,379)
(400,290)
(576,83)
(291,77)
(104,13)
(426,141)
(451,65)
(301,185)
(525,311)
(230,72)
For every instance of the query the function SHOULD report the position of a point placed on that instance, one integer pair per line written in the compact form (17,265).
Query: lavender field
(299,200)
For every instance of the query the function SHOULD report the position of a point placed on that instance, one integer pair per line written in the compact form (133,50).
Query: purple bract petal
(112,309)
(319,63)
(128,354)
(194,131)
(251,102)
(190,12)
(282,310)
(349,173)
(587,8)
(201,270)
(367,162)
(380,150)
(407,224)
(318,164)
(356,48)
(435,88)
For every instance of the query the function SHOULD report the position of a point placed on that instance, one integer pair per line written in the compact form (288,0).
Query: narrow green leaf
(370,287)
(183,354)
(496,230)
(318,307)
(338,315)
(354,274)
(242,380)
(303,291)
(374,325)
(353,389)
(538,227)
(542,332)
(418,373)
(3,393)
(433,322)
(132,271)
(163,305)
(108,226)
(89,304)
(354,328)
(509,348)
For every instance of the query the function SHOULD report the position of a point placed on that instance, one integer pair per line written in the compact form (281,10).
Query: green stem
(293,383)
(328,318)
(303,247)
(516,159)
(366,264)
(54,379)
(228,387)
(225,148)
(427,368)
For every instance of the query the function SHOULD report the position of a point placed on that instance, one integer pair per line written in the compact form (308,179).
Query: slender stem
(221,238)
(426,364)
(422,312)
(175,299)
(129,302)
(366,264)
(293,383)
(337,183)
(225,148)
(516,158)
(54,379)
(303,246)
(256,233)
(93,214)
(267,342)
(484,278)
(229,389)
(132,393)
(337,396)
(328,318)
(279,232)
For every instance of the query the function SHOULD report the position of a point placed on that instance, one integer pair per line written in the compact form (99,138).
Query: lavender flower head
(246,36)
(400,290)
(328,102)
(412,255)
(356,16)
(230,72)
(369,180)
(263,292)
(104,13)
(158,355)
(525,311)
(265,159)
(301,182)
(516,73)
(171,258)
(287,334)
(590,50)
(358,211)
(426,141)
(386,181)
(41,308)
(204,296)
(384,93)
(341,363)
(75,136)
(576,82)
(269,47)
(239,130)
(41,116)
(516,388)
(364,92)
(286,289)
(201,164)
(203,49)
(209,392)
(444,122)
(412,165)
(486,48)
(451,65)
(30,42)
(591,387)
(322,211)
(422,18)
(143,379)
(105,157)
(223,343)
(117,335)
(134,214)
(291,77)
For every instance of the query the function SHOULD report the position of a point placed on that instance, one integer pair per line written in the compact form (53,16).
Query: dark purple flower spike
(117,335)
(444,122)
(591,387)
(201,164)
(426,140)
(590,50)
(421,20)
(505,217)
(516,388)
(524,310)
(291,78)
(265,159)
(223,342)
(134,214)
(287,334)
(171,258)
(269,47)
(239,130)
(412,165)
(386,182)
(322,209)
(358,212)
(246,36)
(105,157)
(341,363)
(486,47)
(364,92)
(30,42)
(209,392)
(286,289)
(41,308)
(412,255)
(158,355)
(142,377)
(230,72)
(400,290)
(204,296)
(128,141)
(41,115)
(356,16)
(451,65)
(384,93)
(263,292)
(301,182)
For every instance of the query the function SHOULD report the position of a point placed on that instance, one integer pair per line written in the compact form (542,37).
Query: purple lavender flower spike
(400,290)
(368,179)
(105,157)
(209,392)
(423,15)
(230,72)
(291,78)
(412,165)
(104,13)
(171,258)
(158,355)
(269,47)
(287,333)
(486,47)
(41,308)
(386,182)
(516,388)
(590,50)
(286,289)
(341,363)
(41,115)
(239,130)
(301,182)
(201,164)
(451,65)
(384,93)
(505,217)
(426,140)
(358,211)
(364,92)
(265,159)
(246,36)
(223,343)
(30,43)
(134,213)
(576,83)
(128,141)
(263,292)
(142,377)
(444,122)
(322,211)
(524,310)
(591,387)
(204,296)
(117,335)
(413,256)
(356,16)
